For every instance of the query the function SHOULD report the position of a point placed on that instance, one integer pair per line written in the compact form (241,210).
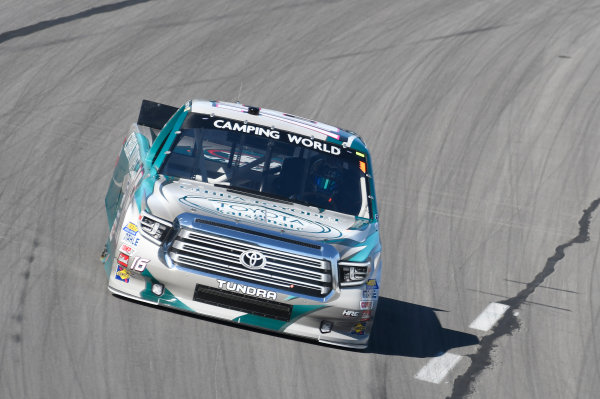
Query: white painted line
(490,316)
(438,367)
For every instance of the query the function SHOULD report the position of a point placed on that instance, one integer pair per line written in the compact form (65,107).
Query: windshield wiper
(254,193)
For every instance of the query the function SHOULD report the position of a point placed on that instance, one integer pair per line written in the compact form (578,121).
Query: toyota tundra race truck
(248,215)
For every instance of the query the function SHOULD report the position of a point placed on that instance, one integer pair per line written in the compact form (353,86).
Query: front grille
(243,303)
(221,255)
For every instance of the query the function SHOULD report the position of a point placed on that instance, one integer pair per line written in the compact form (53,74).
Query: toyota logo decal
(253,259)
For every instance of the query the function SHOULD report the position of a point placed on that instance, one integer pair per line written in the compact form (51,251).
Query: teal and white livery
(248,215)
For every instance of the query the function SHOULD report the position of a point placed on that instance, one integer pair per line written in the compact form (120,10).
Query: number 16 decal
(139,264)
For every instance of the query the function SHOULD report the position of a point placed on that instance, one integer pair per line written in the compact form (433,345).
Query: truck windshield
(278,164)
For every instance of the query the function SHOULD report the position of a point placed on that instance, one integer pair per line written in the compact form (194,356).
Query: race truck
(248,215)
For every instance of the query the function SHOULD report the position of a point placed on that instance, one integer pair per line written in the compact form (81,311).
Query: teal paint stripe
(333,141)
(358,145)
(372,187)
(171,300)
(260,321)
(145,190)
(371,242)
(169,140)
(277,325)
(167,298)
(143,145)
(164,134)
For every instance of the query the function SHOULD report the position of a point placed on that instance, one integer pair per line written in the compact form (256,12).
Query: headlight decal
(153,228)
(353,273)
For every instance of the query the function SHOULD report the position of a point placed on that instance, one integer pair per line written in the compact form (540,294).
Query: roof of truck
(277,119)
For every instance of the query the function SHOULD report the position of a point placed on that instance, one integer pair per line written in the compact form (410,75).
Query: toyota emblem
(253,259)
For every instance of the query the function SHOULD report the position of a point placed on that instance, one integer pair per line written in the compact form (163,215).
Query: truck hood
(172,198)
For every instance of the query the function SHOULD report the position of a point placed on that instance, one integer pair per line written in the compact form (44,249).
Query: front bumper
(348,311)
(351,325)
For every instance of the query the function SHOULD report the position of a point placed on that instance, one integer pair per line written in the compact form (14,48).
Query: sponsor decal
(139,264)
(362,166)
(350,313)
(131,228)
(131,239)
(372,290)
(366,315)
(126,249)
(314,144)
(366,305)
(123,259)
(246,128)
(246,290)
(253,259)
(370,294)
(372,283)
(359,328)
(307,142)
(122,274)
(260,212)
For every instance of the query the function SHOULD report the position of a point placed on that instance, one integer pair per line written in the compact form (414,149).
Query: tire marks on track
(28,30)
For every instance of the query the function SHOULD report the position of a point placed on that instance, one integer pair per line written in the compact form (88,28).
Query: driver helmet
(325,176)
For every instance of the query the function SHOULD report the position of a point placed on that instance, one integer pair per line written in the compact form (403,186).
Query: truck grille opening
(242,303)
(221,255)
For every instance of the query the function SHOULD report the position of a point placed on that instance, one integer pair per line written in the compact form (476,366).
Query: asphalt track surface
(483,120)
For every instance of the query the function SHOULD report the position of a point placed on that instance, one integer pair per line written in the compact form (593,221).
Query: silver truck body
(205,216)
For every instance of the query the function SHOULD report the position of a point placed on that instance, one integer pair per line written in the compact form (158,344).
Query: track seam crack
(508,324)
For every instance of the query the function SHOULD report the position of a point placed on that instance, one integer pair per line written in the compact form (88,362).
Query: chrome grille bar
(220,255)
